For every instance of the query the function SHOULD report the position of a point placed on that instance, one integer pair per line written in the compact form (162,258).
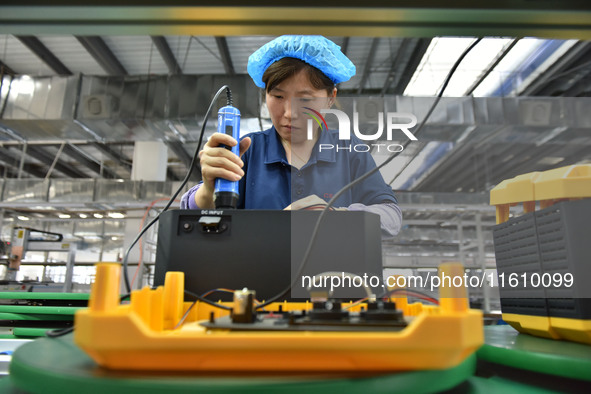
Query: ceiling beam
(45,157)
(345,46)
(39,49)
(580,89)
(4,69)
(180,152)
(526,161)
(344,49)
(395,64)
(13,134)
(6,172)
(102,54)
(413,63)
(167,55)
(13,162)
(184,157)
(81,157)
(560,74)
(579,75)
(225,53)
(171,175)
(368,63)
(116,156)
(441,174)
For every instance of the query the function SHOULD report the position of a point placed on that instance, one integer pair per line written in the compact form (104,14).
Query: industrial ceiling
(82,83)
(156,87)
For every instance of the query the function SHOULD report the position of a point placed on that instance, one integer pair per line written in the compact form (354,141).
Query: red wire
(415,294)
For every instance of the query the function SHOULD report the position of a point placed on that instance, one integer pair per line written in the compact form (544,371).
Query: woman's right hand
(219,162)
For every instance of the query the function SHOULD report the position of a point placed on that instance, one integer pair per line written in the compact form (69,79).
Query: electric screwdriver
(226,192)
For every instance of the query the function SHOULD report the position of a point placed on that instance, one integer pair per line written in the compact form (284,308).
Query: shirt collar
(274,149)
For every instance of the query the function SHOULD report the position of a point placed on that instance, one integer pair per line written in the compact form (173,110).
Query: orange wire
(140,260)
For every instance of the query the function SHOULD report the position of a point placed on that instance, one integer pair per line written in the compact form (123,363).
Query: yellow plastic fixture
(547,187)
(144,336)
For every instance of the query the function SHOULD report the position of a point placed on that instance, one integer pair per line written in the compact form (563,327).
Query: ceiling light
(116,215)
(83,215)
(97,215)
(42,208)
(64,216)
(92,238)
(24,85)
(22,218)
(550,161)
(440,57)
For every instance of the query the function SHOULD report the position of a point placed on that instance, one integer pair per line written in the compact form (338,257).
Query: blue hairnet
(317,51)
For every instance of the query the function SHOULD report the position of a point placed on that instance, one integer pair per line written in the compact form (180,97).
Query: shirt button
(299,173)
(299,192)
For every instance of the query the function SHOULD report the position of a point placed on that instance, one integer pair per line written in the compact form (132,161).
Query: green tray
(56,365)
(23,295)
(505,346)
(34,317)
(497,385)
(41,310)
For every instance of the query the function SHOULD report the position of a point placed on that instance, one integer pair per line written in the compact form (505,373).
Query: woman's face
(287,101)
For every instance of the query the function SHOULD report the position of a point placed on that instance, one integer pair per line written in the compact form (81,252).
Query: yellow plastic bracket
(144,336)
(548,187)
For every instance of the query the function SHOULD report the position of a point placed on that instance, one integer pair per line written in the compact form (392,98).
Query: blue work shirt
(270,182)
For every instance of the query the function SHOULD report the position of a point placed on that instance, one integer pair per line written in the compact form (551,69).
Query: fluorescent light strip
(440,57)
(435,64)
(476,63)
(506,67)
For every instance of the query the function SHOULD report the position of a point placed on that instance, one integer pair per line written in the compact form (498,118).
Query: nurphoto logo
(393,122)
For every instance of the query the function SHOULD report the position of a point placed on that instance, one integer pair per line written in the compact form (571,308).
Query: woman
(283,167)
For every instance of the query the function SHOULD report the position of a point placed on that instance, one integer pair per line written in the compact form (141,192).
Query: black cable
(180,323)
(228,97)
(362,178)
(63,331)
(208,302)
(202,299)
(191,166)
(563,74)
(439,95)
(58,333)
